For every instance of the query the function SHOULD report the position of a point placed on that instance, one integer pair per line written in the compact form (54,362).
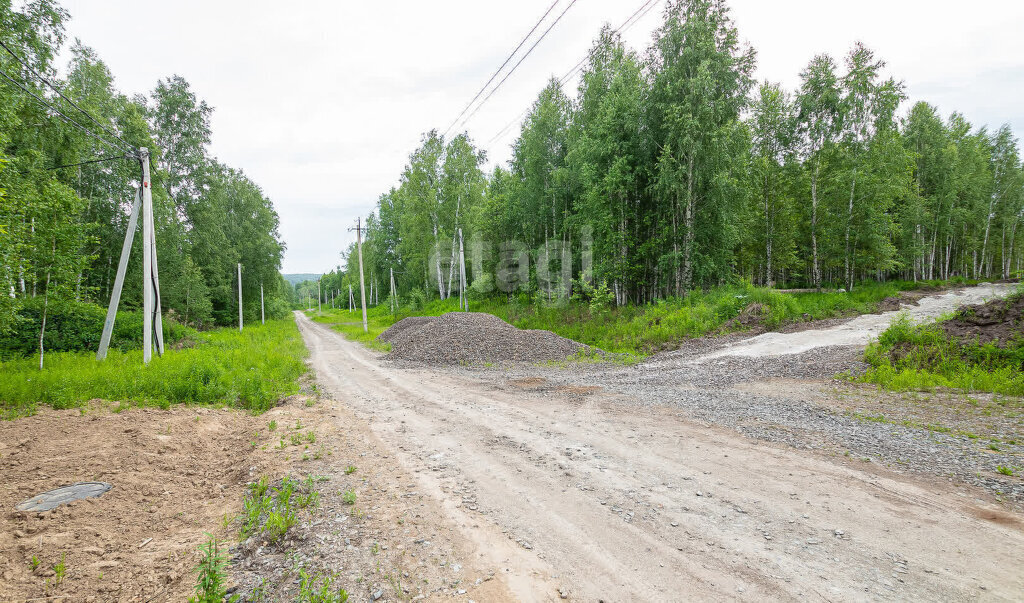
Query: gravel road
(639,483)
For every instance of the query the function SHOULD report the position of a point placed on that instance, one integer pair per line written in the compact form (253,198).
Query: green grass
(636,330)
(909,357)
(250,370)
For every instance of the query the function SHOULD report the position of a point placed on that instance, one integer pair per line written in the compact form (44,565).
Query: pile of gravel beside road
(474,337)
(395,331)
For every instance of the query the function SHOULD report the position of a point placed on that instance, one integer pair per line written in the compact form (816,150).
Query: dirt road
(567,488)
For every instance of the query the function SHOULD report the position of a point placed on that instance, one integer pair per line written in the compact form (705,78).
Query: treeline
(62,228)
(673,169)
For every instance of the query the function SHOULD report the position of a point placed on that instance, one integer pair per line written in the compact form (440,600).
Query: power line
(100,160)
(626,25)
(520,62)
(58,111)
(507,59)
(53,87)
(646,7)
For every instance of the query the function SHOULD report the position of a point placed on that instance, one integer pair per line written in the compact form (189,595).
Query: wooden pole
(122,267)
(239,297)
(362,285)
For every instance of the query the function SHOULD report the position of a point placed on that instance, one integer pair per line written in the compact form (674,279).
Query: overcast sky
(321,102)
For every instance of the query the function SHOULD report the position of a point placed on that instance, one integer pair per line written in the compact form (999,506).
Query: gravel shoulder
(640,483)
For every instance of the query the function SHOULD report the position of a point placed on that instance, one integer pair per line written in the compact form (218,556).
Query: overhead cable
(507,59)
(520,62)
(62,95)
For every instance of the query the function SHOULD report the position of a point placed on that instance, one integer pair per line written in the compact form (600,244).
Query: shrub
(77,326)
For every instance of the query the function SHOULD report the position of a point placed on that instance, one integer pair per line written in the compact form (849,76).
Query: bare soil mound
(473,337)
(173,478)
(999,321)
(397,330)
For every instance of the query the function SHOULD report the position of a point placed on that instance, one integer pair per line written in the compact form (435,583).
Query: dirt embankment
(999,321)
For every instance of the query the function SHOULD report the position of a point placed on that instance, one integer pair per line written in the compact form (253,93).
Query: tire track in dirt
(622,503)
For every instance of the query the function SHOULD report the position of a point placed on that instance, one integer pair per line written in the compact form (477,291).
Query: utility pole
(362,284)
(351,300)
(392,271)
(319,308)
(152,319)
(239,297)
(263,316)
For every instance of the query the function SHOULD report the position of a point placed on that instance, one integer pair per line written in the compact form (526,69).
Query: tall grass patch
(910,357)
(250,370)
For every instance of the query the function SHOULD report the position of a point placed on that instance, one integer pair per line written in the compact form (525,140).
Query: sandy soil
(572,493)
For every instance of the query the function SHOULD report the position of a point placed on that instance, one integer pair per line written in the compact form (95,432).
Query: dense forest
(62,228)
(674,169)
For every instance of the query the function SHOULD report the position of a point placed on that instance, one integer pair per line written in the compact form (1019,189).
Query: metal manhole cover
(52,499)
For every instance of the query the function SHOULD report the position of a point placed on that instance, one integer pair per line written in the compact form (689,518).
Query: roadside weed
(211,574)
(316,588)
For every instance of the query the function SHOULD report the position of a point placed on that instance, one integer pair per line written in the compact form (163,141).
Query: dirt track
(563,487)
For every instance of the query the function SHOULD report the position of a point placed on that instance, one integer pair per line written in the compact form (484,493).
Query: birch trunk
(816,268)
(849,225)
(688,236)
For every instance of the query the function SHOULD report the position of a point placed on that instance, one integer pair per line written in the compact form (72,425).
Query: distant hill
(295,279)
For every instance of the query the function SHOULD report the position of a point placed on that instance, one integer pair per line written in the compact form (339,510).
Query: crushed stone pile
(395,331)
(474,337)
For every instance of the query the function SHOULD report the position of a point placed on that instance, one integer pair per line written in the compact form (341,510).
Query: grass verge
(909,357)
(250,370)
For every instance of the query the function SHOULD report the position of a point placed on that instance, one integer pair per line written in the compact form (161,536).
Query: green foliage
(77,326)
(211,574)
(250,370)
(272,512)
(316,588)
(349,497)
(62,229)
(60,569)
(910,357)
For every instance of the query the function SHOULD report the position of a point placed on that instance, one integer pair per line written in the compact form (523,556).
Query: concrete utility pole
(351,299)
(115,294)
(239,297)
(362,284)
(263,316)
(393,300)
(152,319)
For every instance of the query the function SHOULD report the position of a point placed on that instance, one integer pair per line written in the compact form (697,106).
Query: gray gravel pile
(474,337)
(396,331)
